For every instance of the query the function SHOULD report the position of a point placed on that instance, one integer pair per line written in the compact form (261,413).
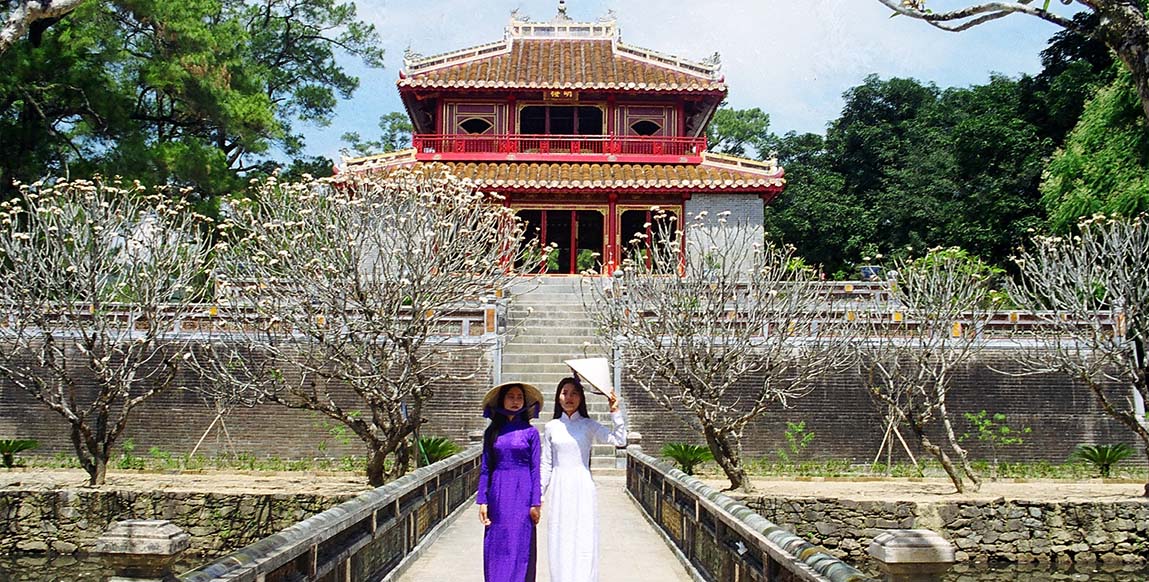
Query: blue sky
(792,58)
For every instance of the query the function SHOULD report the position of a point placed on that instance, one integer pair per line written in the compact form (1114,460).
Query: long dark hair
(581,401)
(498,420)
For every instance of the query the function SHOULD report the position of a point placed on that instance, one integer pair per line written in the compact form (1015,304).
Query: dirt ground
(859,489)
(249,482)
(924,490)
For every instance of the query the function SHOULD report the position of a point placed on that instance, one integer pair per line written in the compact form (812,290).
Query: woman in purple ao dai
(572,502)
(509,496)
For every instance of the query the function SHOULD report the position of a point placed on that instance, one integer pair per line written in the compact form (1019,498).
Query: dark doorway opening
(652,226)
(572,240)
(560,120)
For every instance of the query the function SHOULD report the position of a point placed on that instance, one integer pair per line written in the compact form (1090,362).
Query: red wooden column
(574,242)
(610,246)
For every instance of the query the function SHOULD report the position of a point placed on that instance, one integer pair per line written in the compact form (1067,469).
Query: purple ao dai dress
(509,489)
(572,505)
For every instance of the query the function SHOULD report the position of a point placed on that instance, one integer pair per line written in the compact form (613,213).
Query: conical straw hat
(531,397)
(595,372)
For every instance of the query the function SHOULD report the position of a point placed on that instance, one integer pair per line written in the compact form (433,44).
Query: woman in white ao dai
(571,500)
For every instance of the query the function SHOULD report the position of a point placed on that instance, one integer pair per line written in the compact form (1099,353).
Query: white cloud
(792,58)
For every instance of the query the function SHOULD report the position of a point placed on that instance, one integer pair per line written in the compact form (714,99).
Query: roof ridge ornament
(714,60)
(562,26)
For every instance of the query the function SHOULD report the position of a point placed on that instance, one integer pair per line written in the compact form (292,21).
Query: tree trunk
(376,467)
(941,456)
(727,451)
(963,456)
(90,457)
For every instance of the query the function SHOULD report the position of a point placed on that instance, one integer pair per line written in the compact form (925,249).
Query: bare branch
(1091,291)
(357,286)
(716,326)
(95,278)
(976,14)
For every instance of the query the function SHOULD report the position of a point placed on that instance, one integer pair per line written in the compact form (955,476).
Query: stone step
(536,317)
(549,335)
(604,465)
(544,361)
(568,345)
(545,381)
(565,298)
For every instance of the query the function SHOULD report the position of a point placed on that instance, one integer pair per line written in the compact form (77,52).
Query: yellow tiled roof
(715,173)
(579,64)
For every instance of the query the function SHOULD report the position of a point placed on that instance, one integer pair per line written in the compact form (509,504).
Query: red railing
(552,147)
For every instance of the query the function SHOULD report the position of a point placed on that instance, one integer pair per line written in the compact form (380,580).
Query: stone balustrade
(372,535)
(720,538)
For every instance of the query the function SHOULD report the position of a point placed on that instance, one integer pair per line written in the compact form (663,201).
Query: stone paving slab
(629,549)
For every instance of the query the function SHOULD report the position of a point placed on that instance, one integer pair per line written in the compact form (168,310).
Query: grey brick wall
(744,221)
(175,420)
(848,424)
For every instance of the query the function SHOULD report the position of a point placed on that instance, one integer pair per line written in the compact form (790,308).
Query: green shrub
(797,439)
(1102,457)
(435,449)
(993,431)
(687,457)
(586,260)
(9,448)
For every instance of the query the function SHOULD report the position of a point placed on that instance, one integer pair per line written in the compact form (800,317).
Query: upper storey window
(476,125)
(561,120)
(646,127)
(474,118)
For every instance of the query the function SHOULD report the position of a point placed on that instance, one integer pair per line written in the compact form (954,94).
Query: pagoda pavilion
(579,133)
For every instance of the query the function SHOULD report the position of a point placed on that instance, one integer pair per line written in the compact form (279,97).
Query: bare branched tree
(1124,25)
(1091,291)
(930,327)
(716,327)
(94,279)
(351,287)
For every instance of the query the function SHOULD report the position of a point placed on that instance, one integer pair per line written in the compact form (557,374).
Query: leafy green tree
(196,93)
(997,160)
(396,130)
(740,132)
(1074,66)
(1104,165)
(1123,25)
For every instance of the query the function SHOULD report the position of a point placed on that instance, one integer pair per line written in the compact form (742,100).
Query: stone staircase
(550,325)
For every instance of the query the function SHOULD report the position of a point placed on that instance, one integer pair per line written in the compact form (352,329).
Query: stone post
(142,550)
(633,441)
(912,555)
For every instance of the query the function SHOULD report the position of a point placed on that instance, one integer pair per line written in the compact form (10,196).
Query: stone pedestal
(142,550)
(912,555)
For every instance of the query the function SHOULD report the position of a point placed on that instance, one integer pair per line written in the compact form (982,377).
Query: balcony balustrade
(558,148)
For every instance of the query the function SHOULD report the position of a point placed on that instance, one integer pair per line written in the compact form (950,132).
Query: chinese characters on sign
(560,95)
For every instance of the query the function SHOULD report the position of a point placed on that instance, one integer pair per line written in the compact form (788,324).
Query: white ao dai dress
(571,508)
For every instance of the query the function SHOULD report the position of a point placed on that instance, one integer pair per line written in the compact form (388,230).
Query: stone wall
(175,420)
(64,521)
(1015,531)
(847,423)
